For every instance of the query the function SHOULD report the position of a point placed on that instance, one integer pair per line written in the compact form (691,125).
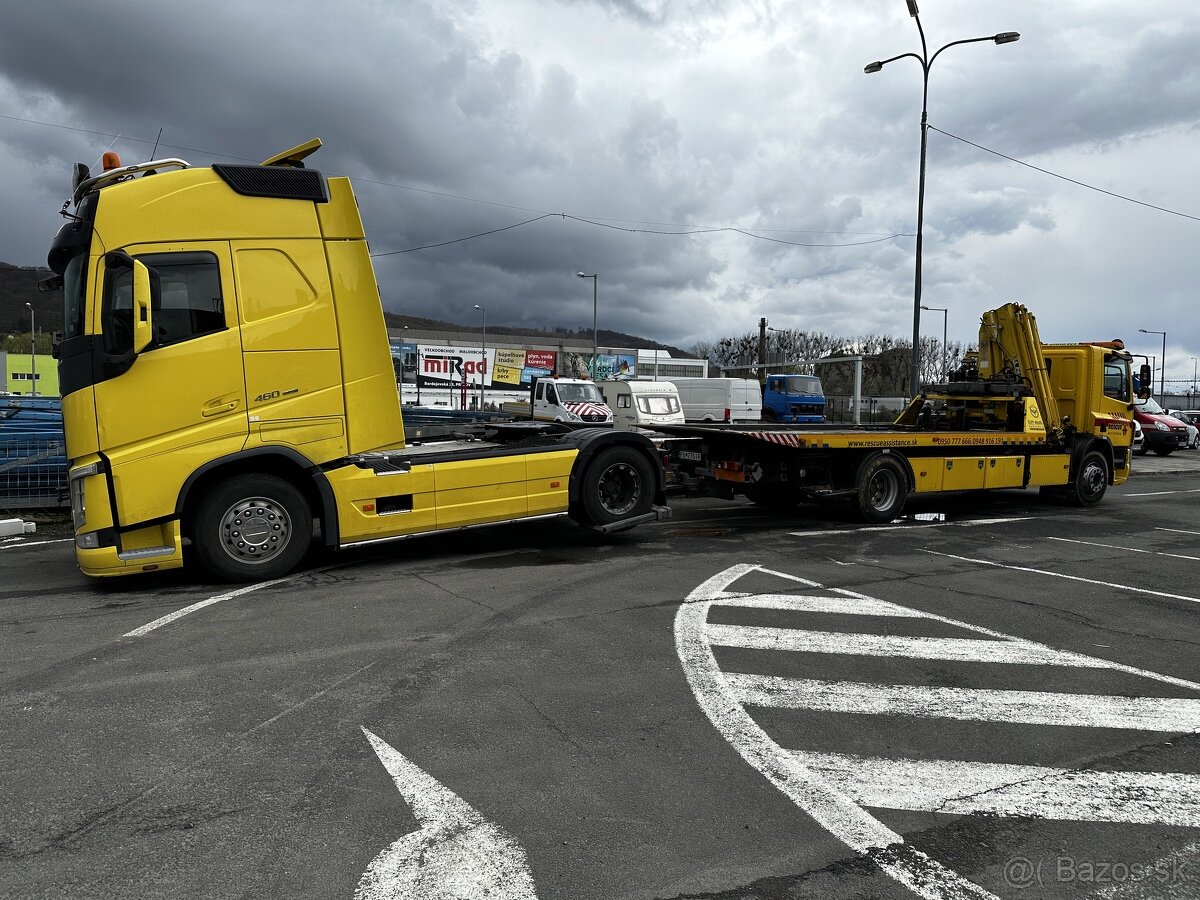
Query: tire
(1141,451)
(882,488)
(1164,451)
(251,528)
(1091,479)
(617,485)
(768,415)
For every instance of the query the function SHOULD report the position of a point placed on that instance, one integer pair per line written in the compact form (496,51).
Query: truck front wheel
(1091,480)
(251,528)
(882,488)
(617,485)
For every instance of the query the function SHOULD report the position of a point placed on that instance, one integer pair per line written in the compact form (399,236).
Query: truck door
(182,400)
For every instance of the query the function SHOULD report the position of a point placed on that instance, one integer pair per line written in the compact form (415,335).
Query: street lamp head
(912,8)
(477,306)
(872,68)
(1007,37)
(28,306)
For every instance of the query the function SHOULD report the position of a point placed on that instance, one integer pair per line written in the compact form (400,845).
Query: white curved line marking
(832,809)
(456,854)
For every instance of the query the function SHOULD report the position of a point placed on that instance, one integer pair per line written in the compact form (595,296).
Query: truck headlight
(77,479)
(89,541)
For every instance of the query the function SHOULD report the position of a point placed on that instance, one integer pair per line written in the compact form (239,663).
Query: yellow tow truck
(1019,414)
(228,386)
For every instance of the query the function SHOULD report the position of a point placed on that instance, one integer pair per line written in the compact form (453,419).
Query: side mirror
(143,330)
(1145,381)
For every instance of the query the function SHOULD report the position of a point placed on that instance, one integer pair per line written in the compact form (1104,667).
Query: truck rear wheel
(251,528)
(1091,480)
(882,486)
(618,485)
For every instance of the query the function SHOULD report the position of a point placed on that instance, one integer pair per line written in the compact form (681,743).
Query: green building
(18,377)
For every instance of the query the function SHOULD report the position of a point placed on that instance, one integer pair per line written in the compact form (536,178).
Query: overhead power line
(1090,187)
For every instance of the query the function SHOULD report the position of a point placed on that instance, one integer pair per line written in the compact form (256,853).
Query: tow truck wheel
(617,485)
(882,488)
(251,528)
(1091,480)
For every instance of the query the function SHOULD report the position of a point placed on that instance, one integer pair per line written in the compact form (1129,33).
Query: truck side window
(551,396)
(1116,381)
(189,305)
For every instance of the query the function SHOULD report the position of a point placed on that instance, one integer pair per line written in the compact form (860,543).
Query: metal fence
(33,462)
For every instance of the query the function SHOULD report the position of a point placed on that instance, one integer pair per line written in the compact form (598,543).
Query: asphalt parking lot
(996,696)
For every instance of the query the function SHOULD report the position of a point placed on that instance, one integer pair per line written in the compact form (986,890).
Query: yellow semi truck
(229,394)
(1019,414)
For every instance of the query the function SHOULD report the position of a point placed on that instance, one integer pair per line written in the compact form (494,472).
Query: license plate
(689,455)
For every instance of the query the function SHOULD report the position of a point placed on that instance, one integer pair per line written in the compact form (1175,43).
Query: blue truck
(793,398)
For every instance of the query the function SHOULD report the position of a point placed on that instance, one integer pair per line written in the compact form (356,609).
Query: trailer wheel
(882,487)
(618,485)
(251,528)
(1091,480)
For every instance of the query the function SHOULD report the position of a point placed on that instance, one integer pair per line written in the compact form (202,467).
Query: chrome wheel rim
(882,491)
(255,530)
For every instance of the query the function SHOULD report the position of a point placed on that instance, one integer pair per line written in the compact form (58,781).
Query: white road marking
(923,701)
(456,854)
(956,649)
(188,610)
(965,523)
(1163,493)
(1124,549)
(953,786)
(17,542)
(831,808)
(1176,530)
(1111,584)
(834,788)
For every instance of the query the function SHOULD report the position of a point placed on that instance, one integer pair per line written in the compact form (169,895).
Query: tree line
(887,361)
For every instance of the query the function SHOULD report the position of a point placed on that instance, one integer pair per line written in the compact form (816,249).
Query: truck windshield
(802,384)
(74,301)
(579,393)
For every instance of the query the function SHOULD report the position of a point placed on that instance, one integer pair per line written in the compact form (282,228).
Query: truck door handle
(217,407)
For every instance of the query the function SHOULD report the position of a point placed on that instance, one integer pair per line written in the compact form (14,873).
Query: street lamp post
(32,353)
(926,61)
(1192,396)
(945,359)
(483,359)
(595,288)
(1162,372)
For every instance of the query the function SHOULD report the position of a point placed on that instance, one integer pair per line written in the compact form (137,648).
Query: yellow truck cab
(227,384)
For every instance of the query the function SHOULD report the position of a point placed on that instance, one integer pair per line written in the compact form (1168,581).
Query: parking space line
(188,610)
(1128,549)
(965,523)
(17,542)
(1123,587)
(969,704)
(1003,789)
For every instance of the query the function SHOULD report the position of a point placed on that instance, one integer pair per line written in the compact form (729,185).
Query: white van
(720,399)
(642,404)
(574,401)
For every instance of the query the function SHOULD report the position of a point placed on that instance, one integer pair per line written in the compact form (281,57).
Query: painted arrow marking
(456,854)
(835,788)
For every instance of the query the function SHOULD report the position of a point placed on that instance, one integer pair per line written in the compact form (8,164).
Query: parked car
(1162,433)
(1138,438)
(1190,418)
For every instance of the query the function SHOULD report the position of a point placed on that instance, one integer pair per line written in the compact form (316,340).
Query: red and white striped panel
(584,408)
(776,437)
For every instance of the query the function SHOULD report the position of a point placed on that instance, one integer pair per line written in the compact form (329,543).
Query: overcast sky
(456,117)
